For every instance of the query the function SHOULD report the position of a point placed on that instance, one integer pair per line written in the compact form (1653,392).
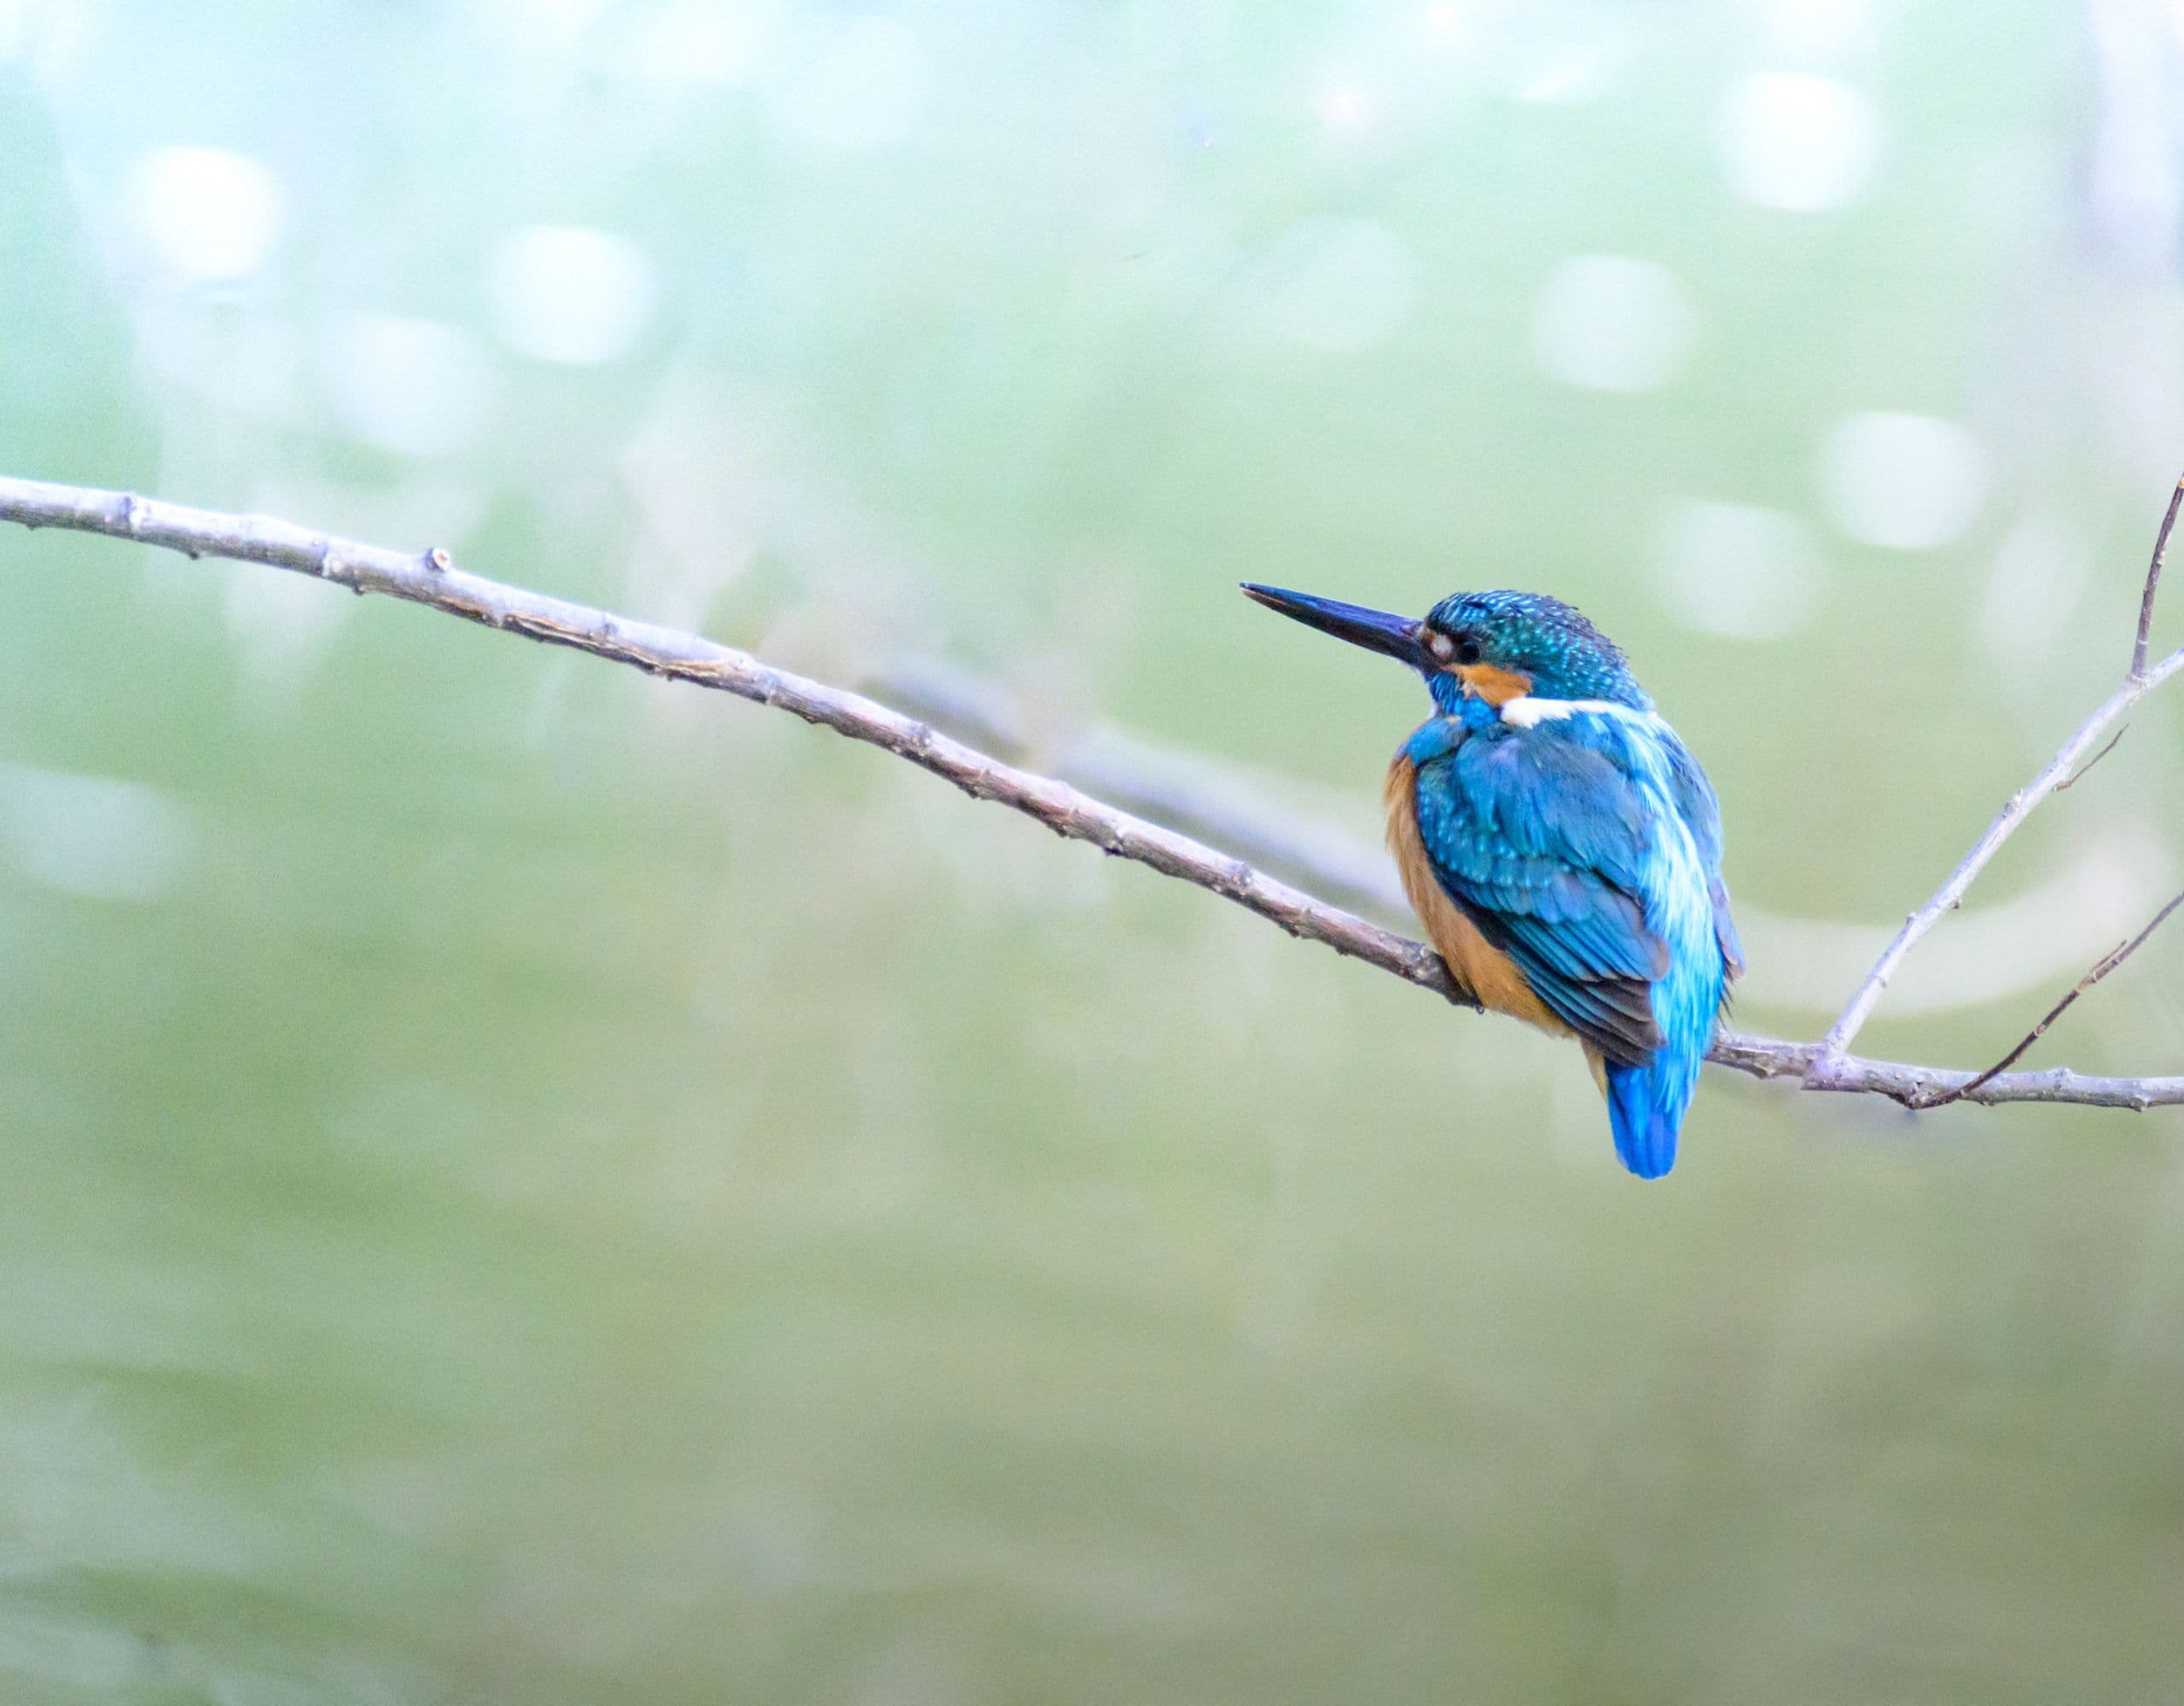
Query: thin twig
(2153,584)
(431,578)
(2115,957)
(2078,774)
(2056,774)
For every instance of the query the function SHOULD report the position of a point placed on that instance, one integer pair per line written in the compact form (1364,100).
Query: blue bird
(1558,842)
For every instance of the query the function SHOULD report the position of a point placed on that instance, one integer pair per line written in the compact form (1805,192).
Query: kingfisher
(1558,842)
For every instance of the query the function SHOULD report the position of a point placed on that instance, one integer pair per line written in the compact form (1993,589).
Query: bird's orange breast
(1481,968)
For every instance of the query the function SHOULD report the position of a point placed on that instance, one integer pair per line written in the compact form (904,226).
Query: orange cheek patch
(1493,683)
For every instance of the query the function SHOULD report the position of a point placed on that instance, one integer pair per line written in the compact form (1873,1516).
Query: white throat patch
(1527,711)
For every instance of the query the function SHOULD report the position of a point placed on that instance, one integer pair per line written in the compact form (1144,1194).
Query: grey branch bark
(432,579)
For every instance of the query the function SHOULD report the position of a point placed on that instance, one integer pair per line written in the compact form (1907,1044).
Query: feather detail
(1489,974)
(1644,1120)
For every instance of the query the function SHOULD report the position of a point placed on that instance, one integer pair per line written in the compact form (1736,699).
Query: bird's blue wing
(1694,799)
(1543,840)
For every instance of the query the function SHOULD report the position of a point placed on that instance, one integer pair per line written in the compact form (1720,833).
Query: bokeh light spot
(1345,108)
(1740,571)
(1907,482)
(207,214)
(858,84)
(700,42)
(562,293)
(92,836)
(1800,142)
(1611,323)
(415,386)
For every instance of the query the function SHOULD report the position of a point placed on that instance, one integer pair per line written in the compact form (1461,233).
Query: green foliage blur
(526,1184)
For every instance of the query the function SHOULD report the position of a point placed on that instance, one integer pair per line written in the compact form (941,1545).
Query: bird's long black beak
(1402,637)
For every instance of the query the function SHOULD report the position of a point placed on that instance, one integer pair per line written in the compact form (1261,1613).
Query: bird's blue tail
(1646,1107)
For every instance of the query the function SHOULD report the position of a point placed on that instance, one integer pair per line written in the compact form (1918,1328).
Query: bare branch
(1217,802)
(431,578)
(2153,584)
(1923,1087)
(2057,775)
(2108,963)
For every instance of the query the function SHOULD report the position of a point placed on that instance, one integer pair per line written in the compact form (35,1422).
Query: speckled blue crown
(1566,656)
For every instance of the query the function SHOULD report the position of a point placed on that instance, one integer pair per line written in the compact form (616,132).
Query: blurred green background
(527,1184)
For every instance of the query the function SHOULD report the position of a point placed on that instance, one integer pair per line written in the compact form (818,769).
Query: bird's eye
(1467,649)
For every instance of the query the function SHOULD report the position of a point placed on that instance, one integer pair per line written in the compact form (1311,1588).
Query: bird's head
(1480,647)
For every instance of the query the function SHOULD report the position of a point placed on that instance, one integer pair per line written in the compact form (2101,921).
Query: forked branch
(2061,772)
(2108,963)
